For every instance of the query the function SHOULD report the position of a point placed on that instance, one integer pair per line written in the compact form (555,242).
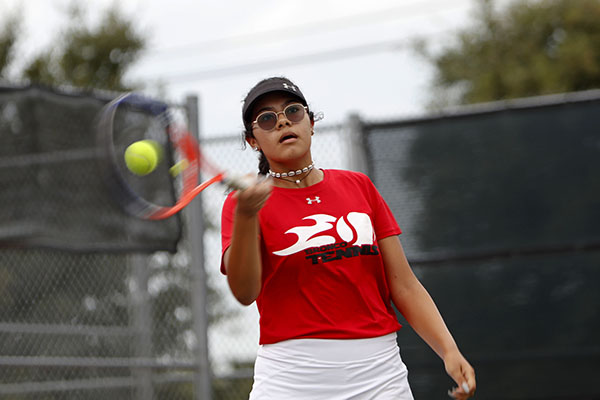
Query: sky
(347,56)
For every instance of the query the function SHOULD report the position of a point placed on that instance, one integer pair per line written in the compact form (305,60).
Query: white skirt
(331,369)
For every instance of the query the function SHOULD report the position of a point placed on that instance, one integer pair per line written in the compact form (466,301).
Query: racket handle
(238,182)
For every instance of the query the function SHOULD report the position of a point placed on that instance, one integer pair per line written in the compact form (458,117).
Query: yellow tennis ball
(142,157)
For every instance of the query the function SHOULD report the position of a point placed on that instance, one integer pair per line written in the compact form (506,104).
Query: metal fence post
(357,152)
(195,230)
(142,321)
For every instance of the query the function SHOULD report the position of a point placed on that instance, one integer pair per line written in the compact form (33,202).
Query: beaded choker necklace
(283,175)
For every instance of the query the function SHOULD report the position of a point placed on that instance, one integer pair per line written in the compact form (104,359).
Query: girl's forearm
(420,311)
(413,300)
(242,259)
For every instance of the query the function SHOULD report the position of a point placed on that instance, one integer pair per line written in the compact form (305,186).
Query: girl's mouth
(287,137)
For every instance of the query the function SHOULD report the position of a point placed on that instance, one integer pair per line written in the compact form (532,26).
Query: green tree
(8,39)
(90,57)
(530,48)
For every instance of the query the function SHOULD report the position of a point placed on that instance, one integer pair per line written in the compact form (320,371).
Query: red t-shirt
(323,275)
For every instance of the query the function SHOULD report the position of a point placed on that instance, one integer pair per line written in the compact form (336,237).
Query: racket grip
(238,182)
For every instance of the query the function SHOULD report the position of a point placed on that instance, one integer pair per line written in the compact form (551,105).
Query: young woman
(318,251)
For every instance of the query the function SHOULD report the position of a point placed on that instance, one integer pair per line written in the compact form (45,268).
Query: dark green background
(500,211)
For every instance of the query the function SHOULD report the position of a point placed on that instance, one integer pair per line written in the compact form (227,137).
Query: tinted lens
(294,112)
(267,120)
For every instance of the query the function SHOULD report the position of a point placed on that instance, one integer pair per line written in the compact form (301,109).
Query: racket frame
(182,142)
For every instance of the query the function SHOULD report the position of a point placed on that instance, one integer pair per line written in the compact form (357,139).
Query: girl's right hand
(253,198)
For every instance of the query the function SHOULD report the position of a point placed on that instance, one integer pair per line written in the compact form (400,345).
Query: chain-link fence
(95,303)
(498,204)
(94,326)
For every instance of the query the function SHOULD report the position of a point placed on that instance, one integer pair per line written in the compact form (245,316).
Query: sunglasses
(268,119)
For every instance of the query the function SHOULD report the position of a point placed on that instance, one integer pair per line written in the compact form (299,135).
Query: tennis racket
(174,183)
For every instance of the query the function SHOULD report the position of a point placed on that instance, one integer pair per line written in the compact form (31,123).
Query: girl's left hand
(463,374)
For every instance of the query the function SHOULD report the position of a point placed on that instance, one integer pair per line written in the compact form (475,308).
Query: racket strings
(190,151)
(171,187)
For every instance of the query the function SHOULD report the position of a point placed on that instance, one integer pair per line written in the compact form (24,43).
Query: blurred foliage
(8,39)
(234,388)
(81,56)
(90,57)
(532,47)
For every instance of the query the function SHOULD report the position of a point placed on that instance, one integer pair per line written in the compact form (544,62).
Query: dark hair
(263,163)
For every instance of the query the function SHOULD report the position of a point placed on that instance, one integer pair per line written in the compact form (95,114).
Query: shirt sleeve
(227,226)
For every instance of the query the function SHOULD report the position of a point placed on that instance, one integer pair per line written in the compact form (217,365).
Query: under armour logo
(315,200)
(292,87)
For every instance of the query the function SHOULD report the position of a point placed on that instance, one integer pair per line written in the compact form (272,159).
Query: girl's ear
(252,142)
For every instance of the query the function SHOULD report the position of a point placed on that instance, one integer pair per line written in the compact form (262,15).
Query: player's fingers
(260,189)
(265,183)
(468,383)
(240,182)
(247,184)
(463,374)
(462,393)
(458,394)
(253,198)
(471,383)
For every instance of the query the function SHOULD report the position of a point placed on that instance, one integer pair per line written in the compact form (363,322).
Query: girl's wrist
(451,351)
(247,213)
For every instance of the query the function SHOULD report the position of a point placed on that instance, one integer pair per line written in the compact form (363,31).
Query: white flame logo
(355,225)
